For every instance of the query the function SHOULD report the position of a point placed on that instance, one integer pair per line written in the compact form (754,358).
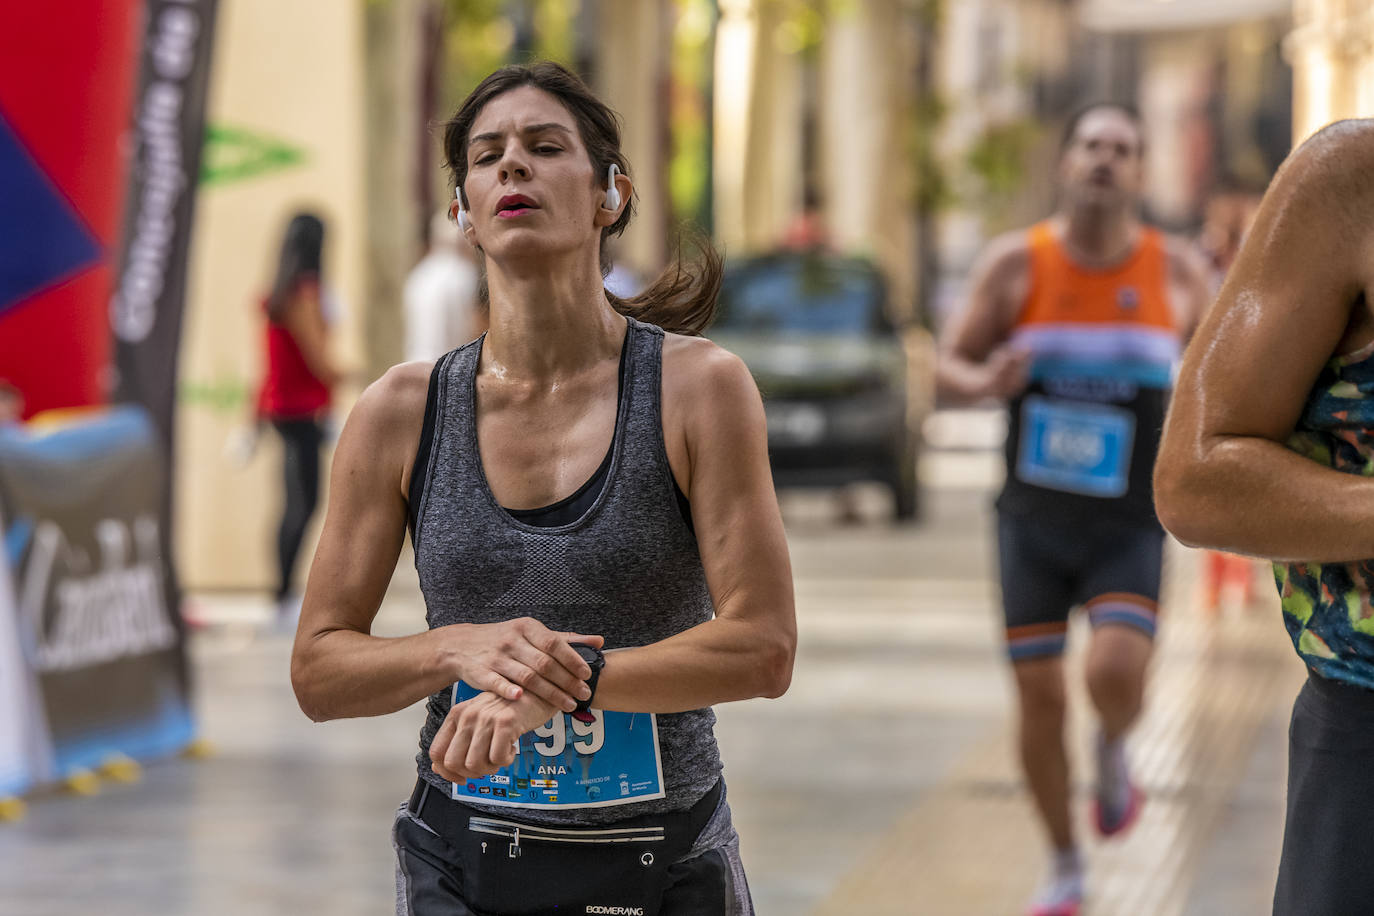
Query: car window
(806,296)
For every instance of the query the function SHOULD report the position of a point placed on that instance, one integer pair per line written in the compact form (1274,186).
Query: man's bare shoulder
(1000,280)
(1007,256)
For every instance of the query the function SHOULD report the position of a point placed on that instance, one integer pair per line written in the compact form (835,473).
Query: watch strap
(596,661)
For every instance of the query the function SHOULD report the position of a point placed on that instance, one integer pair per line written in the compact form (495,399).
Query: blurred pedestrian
(11,403)
(589,474)
(440,295)
(295,392)
(808,231)
(1226,220)
(1077,321)
(1268,451)
(622,281)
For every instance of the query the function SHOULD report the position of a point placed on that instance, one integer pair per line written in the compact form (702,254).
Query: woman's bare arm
(338,668)
(747,649)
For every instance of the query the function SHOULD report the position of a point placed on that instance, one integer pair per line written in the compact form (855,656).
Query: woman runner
(587,477)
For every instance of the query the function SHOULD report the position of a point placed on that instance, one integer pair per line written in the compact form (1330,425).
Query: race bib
(1075,447)
(565,763)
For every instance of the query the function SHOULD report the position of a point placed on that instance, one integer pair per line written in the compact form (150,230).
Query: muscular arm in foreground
(747,649)
(338,668)
(1299,293)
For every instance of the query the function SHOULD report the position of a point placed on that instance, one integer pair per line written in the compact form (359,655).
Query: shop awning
(1172,15)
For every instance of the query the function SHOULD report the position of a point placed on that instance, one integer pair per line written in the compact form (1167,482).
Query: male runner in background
(1078,322)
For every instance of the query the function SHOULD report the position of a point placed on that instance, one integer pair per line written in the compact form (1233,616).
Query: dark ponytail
(301,250)
(683,298)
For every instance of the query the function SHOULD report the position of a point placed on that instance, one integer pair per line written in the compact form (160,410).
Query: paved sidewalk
(1208,752)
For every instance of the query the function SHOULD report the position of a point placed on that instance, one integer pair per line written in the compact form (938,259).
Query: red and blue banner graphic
(101,126)
(67,71)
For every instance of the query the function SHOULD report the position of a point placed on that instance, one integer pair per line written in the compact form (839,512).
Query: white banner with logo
(25,752)
(104,669)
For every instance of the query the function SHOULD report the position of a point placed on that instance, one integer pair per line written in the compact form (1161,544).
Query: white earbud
(612,192)
(463,222)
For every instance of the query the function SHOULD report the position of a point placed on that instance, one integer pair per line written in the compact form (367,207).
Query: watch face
(591,656)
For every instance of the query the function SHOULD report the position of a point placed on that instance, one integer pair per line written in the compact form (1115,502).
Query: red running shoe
(1127,819)
(1067,908)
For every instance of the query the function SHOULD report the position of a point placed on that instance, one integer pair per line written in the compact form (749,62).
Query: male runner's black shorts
(1051,565)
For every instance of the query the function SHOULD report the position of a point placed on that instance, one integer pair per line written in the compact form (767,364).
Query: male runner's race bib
(565,763)
(1075,447)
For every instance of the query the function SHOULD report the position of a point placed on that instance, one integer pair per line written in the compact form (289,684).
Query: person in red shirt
(295,393)
(11,403)
(808,231)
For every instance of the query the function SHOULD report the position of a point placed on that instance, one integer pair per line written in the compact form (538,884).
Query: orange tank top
(1063,292)
(1103,345)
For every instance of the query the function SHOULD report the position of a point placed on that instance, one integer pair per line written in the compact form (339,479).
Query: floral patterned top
(1326,606)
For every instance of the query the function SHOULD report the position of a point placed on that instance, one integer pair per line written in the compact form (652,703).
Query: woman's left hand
(478,737)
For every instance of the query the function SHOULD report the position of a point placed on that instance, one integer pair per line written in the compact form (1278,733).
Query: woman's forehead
(520,109)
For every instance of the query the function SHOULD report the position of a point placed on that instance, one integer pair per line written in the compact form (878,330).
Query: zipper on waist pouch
(518,832)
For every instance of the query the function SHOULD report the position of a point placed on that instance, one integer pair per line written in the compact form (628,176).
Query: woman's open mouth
(513,205)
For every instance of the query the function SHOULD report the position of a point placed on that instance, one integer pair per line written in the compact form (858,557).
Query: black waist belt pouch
(511,867)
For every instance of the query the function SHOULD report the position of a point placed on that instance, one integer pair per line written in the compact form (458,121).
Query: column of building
(1331,49)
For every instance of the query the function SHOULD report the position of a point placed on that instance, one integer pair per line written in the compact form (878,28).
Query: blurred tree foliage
(482,35)
(691,71)
(801,24)
(997,159)
(991,170)
(932,187)
(555,32)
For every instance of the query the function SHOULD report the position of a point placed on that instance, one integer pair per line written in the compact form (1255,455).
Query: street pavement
(882,783)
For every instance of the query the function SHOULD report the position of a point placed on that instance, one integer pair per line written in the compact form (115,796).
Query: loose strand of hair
(682,300)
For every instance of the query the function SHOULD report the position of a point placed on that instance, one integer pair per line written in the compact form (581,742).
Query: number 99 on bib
(565,763)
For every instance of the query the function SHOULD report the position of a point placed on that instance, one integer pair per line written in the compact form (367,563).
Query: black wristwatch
(596,661)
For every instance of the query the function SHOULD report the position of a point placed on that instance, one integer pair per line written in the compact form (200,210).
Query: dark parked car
(814,330)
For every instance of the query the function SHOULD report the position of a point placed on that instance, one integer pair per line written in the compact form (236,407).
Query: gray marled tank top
(628,569)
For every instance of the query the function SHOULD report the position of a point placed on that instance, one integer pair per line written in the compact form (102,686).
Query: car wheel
(905,490)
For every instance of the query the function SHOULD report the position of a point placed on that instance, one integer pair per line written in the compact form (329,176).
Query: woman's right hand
(515,656)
